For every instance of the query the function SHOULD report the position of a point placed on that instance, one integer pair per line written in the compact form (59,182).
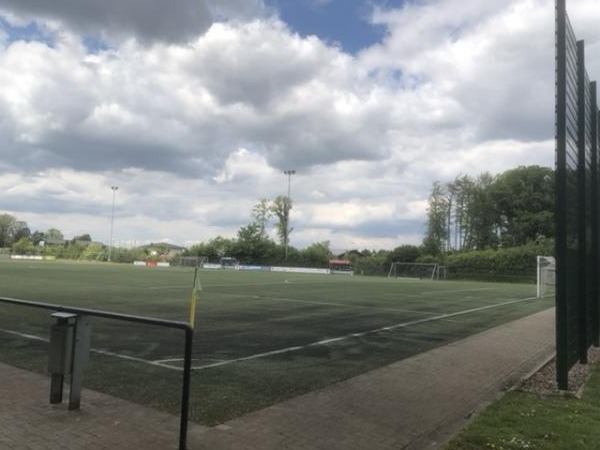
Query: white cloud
(243,165)
(148,19)
(186,108)
(196,128)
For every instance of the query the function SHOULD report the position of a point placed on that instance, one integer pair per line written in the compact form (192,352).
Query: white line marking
(27,336)
(156,288)
(246,358)
(133,358)
(250,284)
(362,333)
(100,352)
(168,360)
(457,290)
(160,363)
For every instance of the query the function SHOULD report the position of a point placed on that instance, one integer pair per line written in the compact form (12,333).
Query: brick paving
(416,403)
(29,422)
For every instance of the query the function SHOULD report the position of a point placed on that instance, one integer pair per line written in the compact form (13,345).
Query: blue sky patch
(31,32)
(94,44)
(344,22)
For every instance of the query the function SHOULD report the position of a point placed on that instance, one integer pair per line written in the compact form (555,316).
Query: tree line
(483,227)
(511,209)
(17,237)
(479,227)
(16,232)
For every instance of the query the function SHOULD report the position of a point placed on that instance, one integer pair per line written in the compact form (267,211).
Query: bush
(93,252)
(514,264)
(375,264)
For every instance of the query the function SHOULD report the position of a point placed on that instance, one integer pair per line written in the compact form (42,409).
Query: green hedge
(515,264)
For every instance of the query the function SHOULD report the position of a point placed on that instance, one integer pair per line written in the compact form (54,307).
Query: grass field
(260,337)
(523,420)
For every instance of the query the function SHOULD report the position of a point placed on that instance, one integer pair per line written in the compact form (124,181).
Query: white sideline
(359,334)
(100,352)
(453,291)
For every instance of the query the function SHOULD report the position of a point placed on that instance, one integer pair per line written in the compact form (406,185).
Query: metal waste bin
(61,343)
(68,355)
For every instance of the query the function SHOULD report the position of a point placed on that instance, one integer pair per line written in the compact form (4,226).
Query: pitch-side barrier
(189,336)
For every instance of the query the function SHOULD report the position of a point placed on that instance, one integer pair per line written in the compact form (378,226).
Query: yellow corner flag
(197,287)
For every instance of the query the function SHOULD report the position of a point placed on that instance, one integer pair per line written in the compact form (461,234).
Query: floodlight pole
(289,174)
(112,221)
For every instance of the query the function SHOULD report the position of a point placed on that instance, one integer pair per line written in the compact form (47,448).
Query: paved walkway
(416,403)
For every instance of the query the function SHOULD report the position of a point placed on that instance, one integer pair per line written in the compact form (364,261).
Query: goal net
(428,271)
(546,276)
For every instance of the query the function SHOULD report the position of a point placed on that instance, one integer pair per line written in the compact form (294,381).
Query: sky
(195,110)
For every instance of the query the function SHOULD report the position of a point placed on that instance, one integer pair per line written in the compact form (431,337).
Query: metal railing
(189,336)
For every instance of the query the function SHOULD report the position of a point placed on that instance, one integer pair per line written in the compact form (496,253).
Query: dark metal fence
(189,336)
(577,196)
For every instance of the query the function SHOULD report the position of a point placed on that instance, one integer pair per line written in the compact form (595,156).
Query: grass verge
(522,420)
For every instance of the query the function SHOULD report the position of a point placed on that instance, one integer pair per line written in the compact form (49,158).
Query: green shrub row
(514,264)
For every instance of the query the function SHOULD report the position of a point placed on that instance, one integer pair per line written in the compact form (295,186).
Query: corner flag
(197,287)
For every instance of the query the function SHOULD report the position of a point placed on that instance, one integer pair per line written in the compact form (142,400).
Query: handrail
(187,362)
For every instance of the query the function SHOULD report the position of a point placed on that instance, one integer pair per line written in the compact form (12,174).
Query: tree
(55,251)
(20,230)
(23,246)
(372,263)
(437,221)
(261,213)
(7,224)
(37,237)
(483,216)
(73,250)
(472,217)
(511,209)
(404,253)
(251,244)
(280,208)
(54,236)
(455,220)
(83,238)
(524,202)
(214,249)
(93,252)
(473,213)
(316,255)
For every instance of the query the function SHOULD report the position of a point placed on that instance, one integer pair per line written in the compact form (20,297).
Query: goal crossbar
(414,270)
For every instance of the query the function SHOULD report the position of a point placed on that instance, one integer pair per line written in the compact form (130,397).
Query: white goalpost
(429,271)
(546,276)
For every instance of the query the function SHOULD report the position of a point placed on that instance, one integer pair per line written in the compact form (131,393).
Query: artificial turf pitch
(260,337)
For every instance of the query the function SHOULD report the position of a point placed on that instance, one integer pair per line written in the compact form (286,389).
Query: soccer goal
(546,276)
(429,271)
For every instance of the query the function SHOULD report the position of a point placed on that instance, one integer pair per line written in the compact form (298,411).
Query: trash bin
(61,343)
(68,355)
